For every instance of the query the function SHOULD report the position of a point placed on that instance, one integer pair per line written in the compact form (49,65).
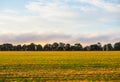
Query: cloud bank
(44,38)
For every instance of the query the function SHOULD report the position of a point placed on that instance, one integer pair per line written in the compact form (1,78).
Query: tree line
(60,47)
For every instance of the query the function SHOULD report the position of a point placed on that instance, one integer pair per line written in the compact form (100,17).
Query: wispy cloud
(59,6)
(108,5)
(61,14)
(51,8)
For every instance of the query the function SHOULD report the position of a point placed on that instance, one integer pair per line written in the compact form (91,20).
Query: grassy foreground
(59,66)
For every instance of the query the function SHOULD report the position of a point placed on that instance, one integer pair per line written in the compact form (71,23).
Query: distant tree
(31,47)
(24,47)
(48,47)
(117,46)
(7,47)
(99,46)
(55,46)
(93,47)
(61,46)
(110,47)
(67,47)
(18,48)
(78,47)
(72,48)
(87,48)
(39,47)
(96,47)
(107,47)
(0,47)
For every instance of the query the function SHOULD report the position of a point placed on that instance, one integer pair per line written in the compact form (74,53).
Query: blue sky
(70,21)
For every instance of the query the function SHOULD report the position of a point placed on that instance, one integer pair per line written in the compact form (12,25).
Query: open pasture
(59,66)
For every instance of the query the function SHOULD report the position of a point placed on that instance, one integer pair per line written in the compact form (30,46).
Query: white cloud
(56,14)
(53,8)
(8,11)
(82,9)
(105,5)
(71,17)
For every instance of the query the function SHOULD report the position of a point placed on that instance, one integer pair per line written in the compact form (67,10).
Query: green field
(59,66)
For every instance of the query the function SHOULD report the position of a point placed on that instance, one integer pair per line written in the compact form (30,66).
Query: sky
(69,21)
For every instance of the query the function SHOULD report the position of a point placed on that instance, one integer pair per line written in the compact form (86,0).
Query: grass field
(59,66)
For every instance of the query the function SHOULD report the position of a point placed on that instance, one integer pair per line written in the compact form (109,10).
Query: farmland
(59,66)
